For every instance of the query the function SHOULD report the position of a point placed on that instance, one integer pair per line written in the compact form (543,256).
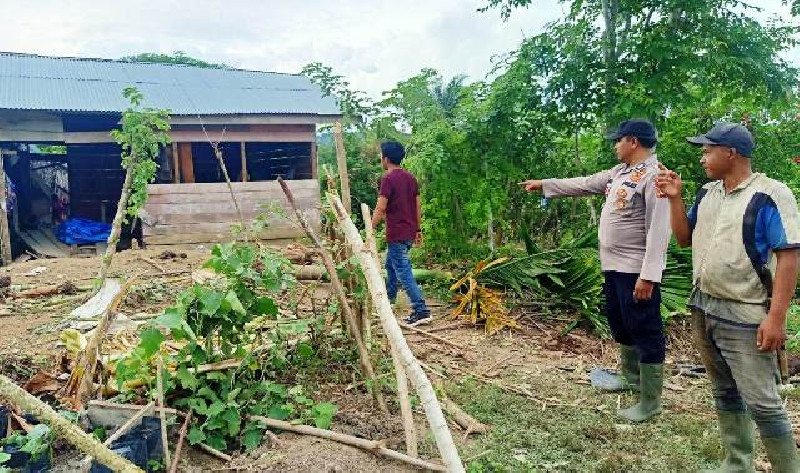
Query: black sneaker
(418,319)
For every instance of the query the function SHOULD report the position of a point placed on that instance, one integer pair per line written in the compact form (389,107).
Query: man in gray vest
(744,232)
(634,234)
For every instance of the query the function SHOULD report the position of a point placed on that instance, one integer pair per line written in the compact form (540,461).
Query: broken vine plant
(233,316)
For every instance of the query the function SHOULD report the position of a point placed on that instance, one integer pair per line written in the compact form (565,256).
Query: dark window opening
(267,161)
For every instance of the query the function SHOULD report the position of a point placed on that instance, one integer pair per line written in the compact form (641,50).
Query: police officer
(634,234)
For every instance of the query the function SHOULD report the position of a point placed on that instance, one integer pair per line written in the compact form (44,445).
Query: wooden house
(56,115)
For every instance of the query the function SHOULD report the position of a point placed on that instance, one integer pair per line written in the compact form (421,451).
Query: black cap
(731,135)
(637,127)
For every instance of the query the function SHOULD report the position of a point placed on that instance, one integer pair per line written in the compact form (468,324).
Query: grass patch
(586,436)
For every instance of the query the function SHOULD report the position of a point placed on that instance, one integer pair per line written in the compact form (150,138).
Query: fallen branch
(330,266)
(372,446)
(377,289)
(177,458)
(463,419)
(65,288)
(63,428)
(430,335)
(446,327)
(213,451)
(153,264)
(218,366)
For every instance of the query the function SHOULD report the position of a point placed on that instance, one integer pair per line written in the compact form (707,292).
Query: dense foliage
(544,112)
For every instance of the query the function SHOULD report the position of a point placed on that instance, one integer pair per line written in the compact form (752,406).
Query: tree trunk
(116,226)
(62,427)
(427,396)
(610,54)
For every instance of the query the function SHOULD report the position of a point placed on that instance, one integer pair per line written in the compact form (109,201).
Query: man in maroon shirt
(400,204)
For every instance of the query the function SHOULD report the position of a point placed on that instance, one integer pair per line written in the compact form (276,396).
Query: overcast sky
(374,43)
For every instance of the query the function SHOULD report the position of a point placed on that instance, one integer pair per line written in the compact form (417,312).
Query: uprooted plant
(229,353)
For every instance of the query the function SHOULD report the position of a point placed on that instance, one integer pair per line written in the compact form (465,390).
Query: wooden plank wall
(204,213)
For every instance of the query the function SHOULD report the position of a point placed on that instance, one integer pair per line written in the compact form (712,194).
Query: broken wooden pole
(372,446)
(341,161)
(62,427)
(375,283)
(327,259)
(82,378)
(400,373)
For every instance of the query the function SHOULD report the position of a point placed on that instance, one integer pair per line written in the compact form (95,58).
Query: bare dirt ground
(536,363)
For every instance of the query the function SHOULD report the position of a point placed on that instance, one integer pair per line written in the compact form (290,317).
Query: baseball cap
(731,135)
(637,127)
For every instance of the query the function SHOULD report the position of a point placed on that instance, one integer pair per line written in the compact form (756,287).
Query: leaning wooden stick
(162,416)
(427,396)
(400,372)
(177,458)
(63,428)
(372,446)
(366,363)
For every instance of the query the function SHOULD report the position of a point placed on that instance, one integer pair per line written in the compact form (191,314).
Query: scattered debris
(36,271)
(42,382)
(94,307)
(66,288)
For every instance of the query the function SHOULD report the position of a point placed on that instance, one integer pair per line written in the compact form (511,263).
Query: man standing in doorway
(400,204)
(740,224)
(634,235)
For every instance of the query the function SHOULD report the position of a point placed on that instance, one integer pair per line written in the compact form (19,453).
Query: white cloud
(374,43)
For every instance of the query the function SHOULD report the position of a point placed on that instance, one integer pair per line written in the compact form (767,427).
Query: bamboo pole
(371,446)
(400,373)
(366,363)
(63,427)
(341,161)
(427,396)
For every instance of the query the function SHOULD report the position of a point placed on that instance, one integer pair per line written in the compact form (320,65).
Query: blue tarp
(77,231)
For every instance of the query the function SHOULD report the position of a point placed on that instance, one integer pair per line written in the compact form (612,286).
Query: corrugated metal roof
(29,82)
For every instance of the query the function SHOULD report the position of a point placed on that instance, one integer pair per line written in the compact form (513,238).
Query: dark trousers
(635,323)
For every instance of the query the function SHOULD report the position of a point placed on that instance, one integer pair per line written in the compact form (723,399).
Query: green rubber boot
(782,454)
(628,378)
(736,433)
(650,386)
(629,363)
